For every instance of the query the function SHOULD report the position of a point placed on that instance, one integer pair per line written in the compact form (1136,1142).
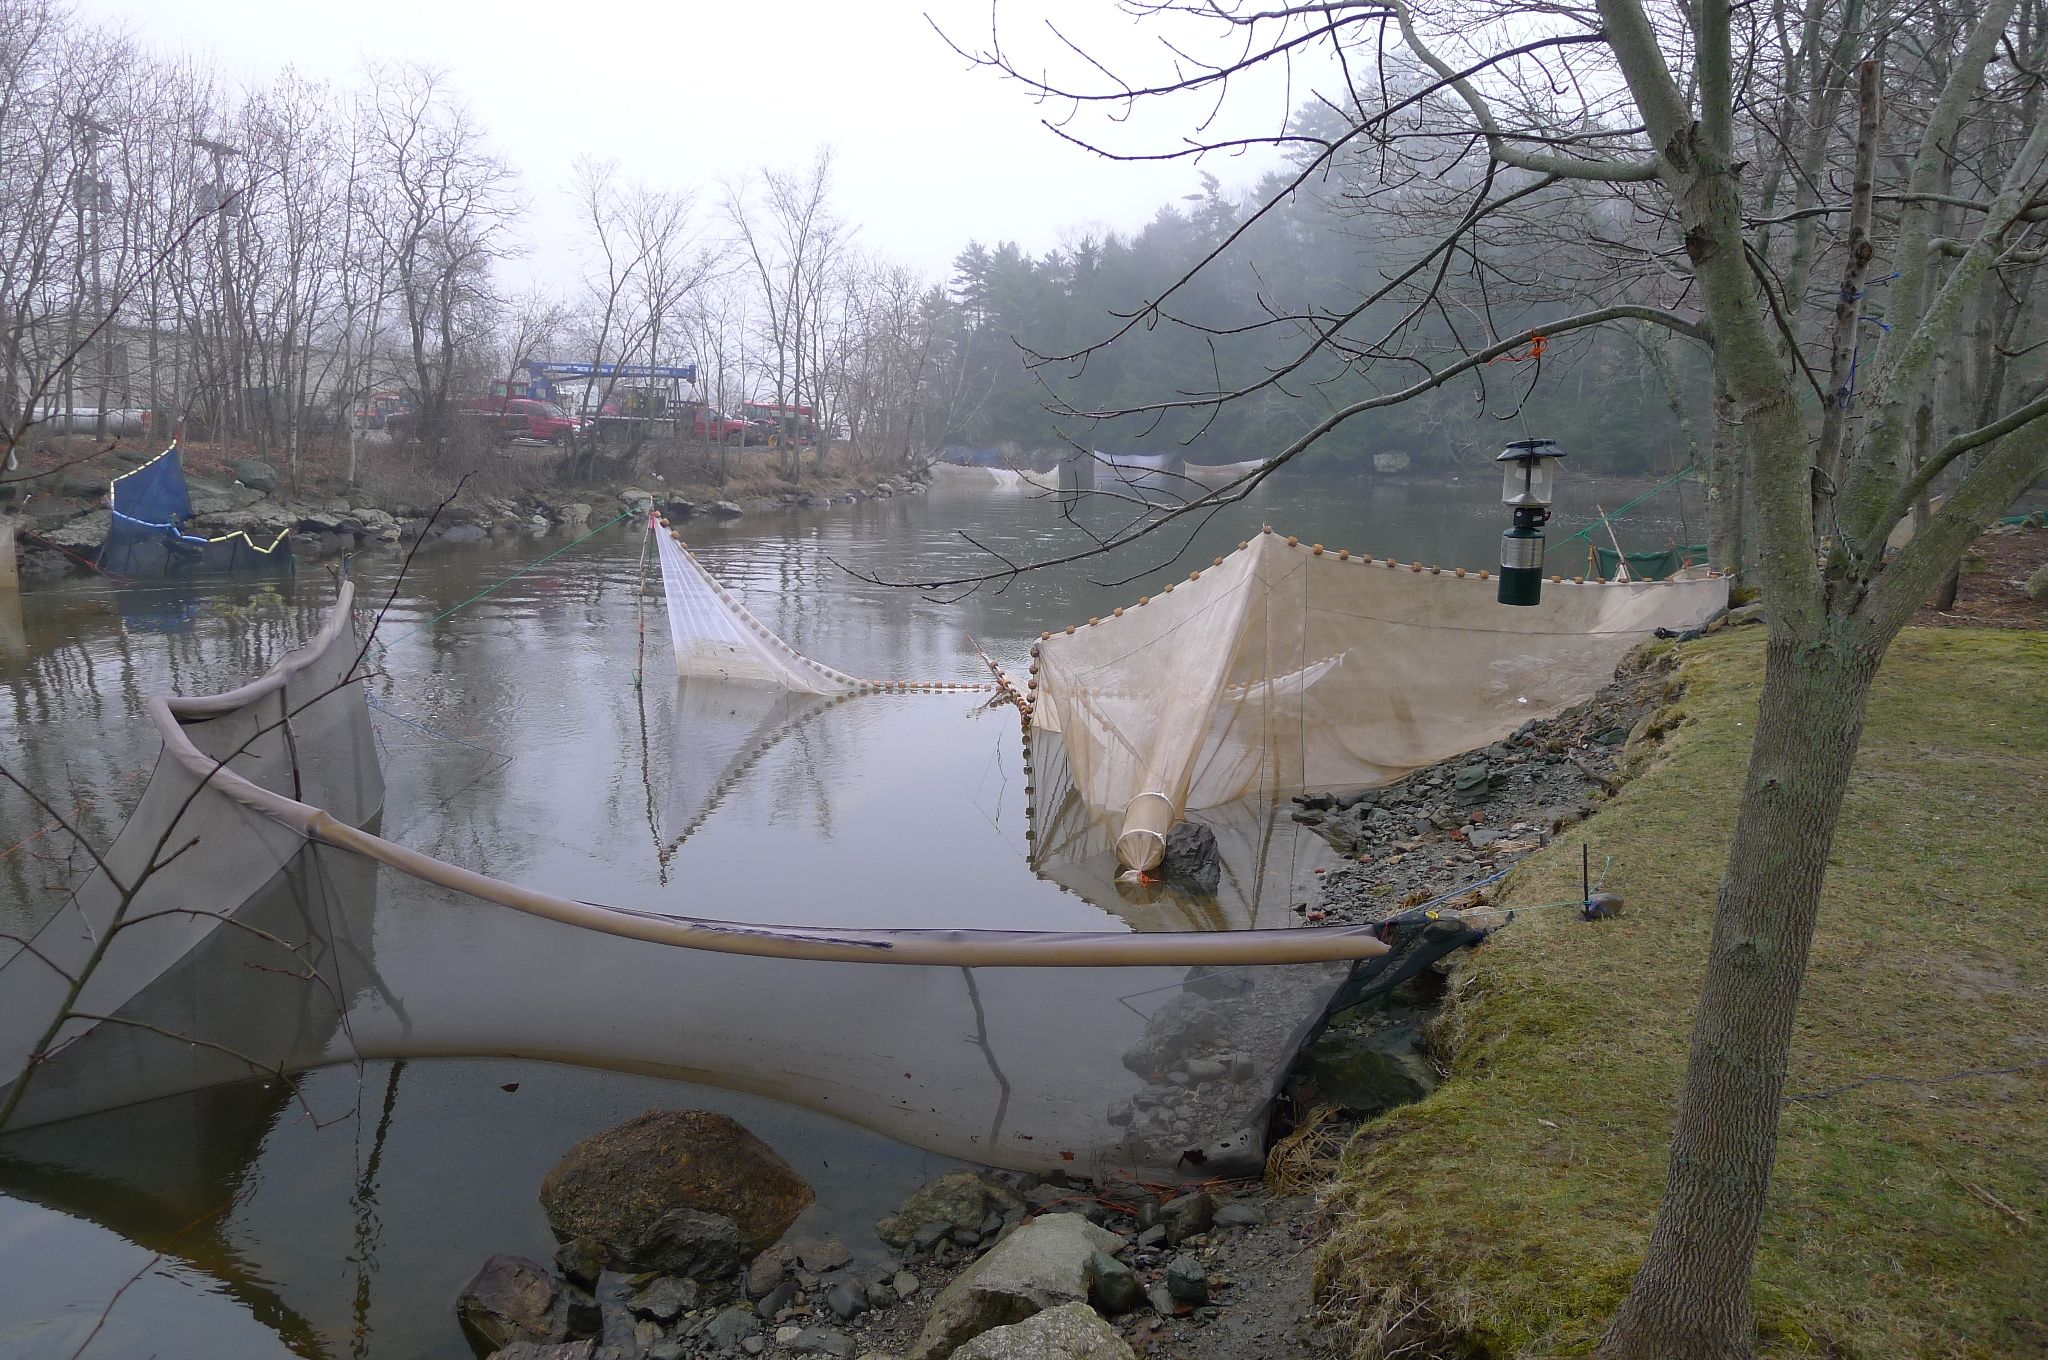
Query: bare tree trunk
(1727,489)
(1691,1301)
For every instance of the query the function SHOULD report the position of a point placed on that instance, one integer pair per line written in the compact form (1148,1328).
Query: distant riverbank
(398,498)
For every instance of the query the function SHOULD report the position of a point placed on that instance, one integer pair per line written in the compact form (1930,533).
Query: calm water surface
(515,740)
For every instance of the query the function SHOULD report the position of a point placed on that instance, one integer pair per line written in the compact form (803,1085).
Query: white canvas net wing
(716,638)
(1285,667)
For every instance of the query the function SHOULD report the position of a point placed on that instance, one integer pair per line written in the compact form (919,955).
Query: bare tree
(1699,124)
(439,204)
(792,242)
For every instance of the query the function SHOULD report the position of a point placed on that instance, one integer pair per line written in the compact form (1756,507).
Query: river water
(515,739)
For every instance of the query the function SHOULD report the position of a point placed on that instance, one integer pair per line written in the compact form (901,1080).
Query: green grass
(1506,1215)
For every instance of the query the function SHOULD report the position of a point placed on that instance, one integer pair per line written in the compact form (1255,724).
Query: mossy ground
(1506,1215)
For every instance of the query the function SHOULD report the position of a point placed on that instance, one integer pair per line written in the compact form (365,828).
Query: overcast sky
(931,153)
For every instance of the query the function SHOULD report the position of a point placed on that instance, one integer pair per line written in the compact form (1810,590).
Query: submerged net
(1284,667)
(277,934)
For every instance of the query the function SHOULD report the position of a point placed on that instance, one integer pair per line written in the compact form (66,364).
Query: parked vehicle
(692,420)
(512,418)
(374,410)
(710,425)
(782,423)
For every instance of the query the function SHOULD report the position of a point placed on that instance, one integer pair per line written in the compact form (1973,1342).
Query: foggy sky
(930,153)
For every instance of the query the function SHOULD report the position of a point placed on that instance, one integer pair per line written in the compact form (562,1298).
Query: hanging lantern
(1528,485)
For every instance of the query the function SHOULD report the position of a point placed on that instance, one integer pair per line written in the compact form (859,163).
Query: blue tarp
(147,535)
(155,493)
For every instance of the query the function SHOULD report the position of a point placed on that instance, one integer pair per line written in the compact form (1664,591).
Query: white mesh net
(1286,667)
(716,638)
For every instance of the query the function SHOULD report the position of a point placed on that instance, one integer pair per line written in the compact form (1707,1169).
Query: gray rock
(1471,785)
(1369,1068)
(1185,1217)
(665,1298)
(822,1254)
(1192,861)
(905,1284)
(959,1199)
(1068,1332)
(753,1345)
(255,474)
(927,1236)
(1154,1236)
(1162,1301)
(1112,1286)
(666,1350)
(823,1341)
(464,533)
(2037,585)
(580,1259)
(687,1242)
(725,510)
(1754,612)
(511,1299)
(633,498)
(542,1350)
(775,1300)
(847,1300)
(1041,1265)
(1239,1216)
(1187,1281)
(733,1325)
(80,531)
(615,1185)
(767,1269)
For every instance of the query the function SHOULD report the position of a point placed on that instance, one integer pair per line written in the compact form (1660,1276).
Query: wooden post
(10,571)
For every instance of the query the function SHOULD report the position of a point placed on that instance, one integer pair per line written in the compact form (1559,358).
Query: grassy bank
(1506,1215)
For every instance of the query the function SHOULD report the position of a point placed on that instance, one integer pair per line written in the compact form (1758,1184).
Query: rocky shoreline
(65,517)
(987,1265)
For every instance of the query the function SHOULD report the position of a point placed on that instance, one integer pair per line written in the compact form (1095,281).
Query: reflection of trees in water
(76,695)
(167,1176)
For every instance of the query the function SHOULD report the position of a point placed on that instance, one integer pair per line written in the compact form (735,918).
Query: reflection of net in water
(278,936)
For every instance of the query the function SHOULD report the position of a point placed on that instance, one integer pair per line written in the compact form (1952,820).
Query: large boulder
(1041,1265)
(959,1199)
(2037,585)
(512,1299)
(1071,1331)
(255,474)
(616,1185)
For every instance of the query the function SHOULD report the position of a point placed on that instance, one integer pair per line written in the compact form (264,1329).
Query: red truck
(523,418)
(705,424)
